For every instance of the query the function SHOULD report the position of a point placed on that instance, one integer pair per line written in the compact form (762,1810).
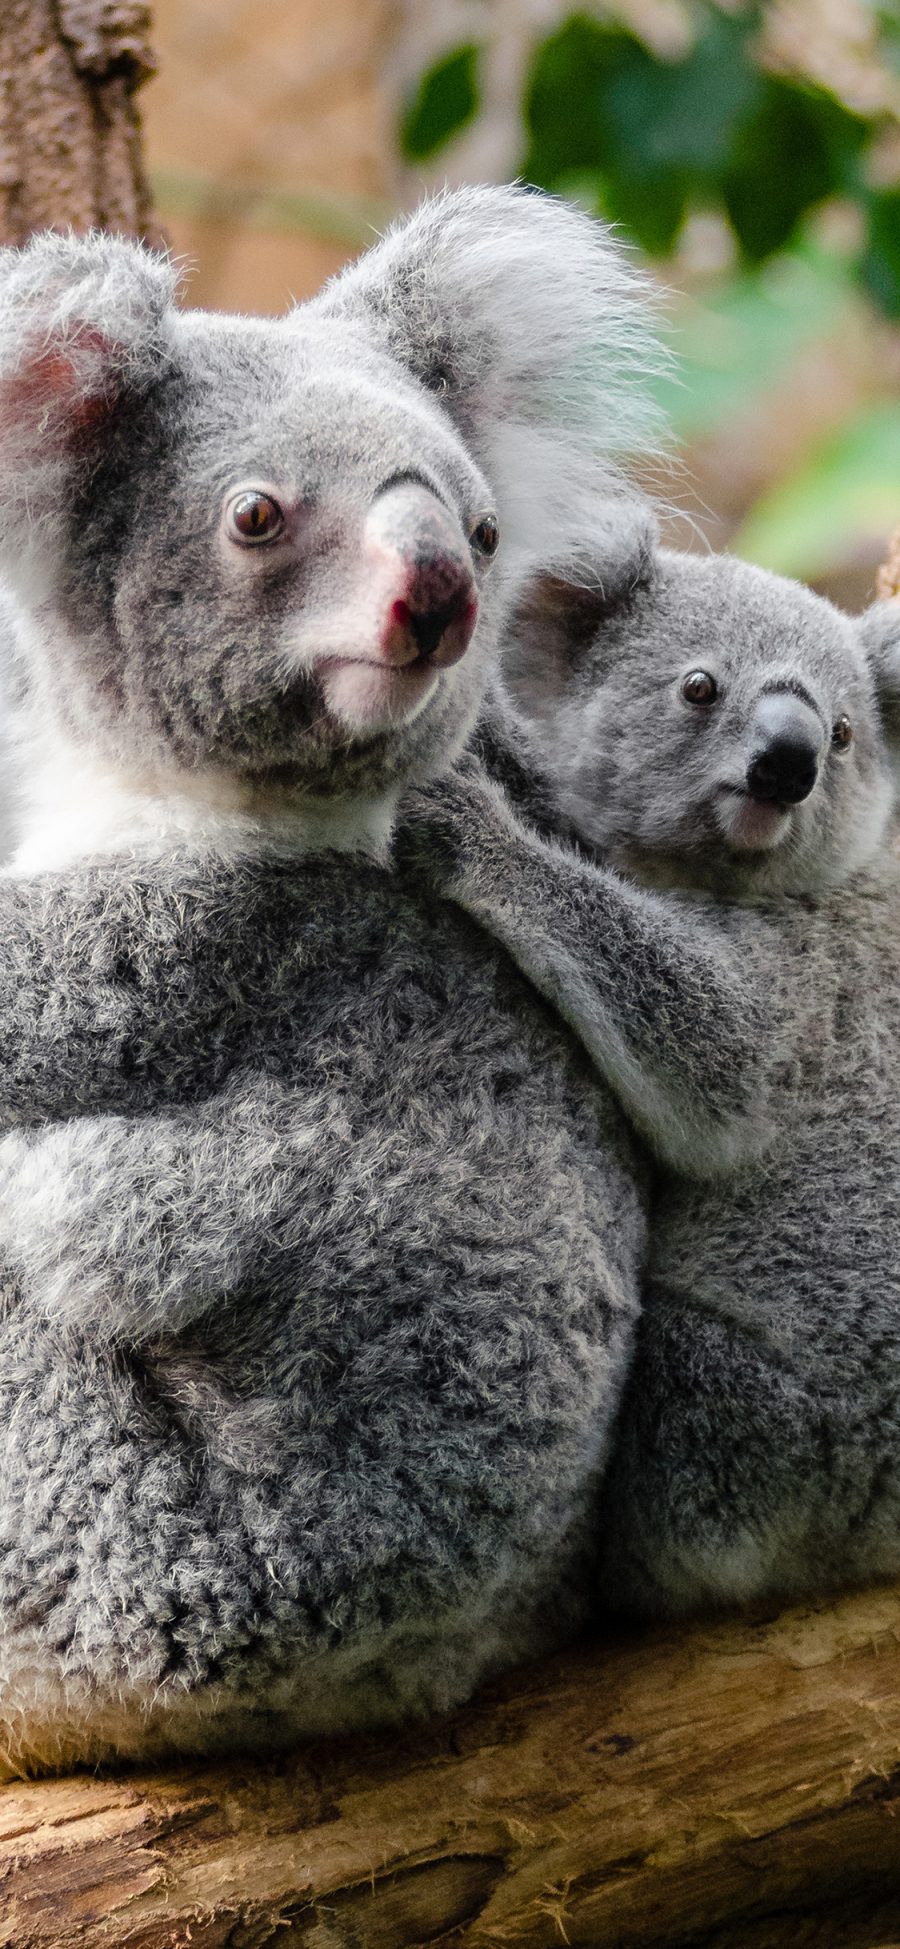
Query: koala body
(723,743)
(319,1240)
(319,1310)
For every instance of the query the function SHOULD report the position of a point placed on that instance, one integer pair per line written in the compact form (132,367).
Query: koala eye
(485,536)
(253,517)
(699,688)
(842,733)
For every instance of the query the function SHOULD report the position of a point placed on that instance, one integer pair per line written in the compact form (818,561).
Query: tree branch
(734,1786)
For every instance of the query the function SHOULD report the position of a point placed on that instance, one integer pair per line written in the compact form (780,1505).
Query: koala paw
(441,824)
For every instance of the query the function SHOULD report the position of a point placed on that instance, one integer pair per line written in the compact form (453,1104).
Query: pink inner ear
(64,388)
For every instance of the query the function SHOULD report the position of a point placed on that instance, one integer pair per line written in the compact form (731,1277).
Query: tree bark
(69,130)
(735,1786)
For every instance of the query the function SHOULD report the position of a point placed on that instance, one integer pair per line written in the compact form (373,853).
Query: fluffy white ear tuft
(880,632)
(80,320)
(538,336)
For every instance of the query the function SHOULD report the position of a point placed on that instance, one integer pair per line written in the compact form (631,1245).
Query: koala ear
(880,633)
(537,336)
(557,623)
(80,322)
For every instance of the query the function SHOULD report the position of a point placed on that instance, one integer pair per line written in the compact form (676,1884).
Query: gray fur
(749,1020)
(9,789)
(320,1241)
(309,1367)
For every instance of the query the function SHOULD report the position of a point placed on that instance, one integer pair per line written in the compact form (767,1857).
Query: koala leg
(136,1226)
(703,1501)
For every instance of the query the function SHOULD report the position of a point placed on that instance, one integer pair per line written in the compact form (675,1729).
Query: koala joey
(319,1241)
(721,743)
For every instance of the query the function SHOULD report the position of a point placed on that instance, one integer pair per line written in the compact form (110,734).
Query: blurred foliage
(656,139)
(446,99)
(881,258)
(744,337)
(854,476)
(650,141)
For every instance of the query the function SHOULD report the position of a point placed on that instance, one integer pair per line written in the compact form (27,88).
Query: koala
(320,1240)
(722,745)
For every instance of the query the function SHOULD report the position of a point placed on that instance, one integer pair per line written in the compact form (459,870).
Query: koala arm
(149,1170)
(131,1227)
(102,1006)
(502,745)
(62,1022)
(682,1032)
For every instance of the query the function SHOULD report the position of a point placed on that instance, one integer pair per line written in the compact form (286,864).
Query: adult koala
(319,1242)
(724,743)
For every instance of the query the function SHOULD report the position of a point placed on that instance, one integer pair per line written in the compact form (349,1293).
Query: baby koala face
(712,725)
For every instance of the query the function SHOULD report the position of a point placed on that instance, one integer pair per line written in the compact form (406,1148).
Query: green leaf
(654,133)
(797,147)
(564,100)
(653,208)
(888,18)
(684,114)
(847,491)
(881,257)
(708,130)
(447,97)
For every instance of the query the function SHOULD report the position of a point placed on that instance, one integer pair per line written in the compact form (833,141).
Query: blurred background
(749,152)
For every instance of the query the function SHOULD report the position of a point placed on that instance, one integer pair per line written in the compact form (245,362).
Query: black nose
(787,749)
(784,770)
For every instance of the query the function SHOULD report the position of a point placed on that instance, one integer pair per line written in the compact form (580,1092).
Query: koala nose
(434,620)
(788,745)
(421,560)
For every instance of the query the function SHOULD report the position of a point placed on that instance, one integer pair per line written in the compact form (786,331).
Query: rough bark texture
(734,1786)
(69,131)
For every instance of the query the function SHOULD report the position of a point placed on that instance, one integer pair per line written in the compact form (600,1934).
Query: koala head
(708,724)
(265,549)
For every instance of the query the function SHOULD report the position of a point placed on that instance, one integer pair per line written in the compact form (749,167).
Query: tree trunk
(69,131)
(735,1786)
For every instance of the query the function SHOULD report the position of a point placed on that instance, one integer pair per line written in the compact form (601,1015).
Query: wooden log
(735,1785)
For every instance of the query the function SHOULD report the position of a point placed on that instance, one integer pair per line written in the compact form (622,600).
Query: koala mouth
(393,681)
(751,825)
(368,696)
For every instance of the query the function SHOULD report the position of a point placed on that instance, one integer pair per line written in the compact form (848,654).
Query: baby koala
(721,743)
